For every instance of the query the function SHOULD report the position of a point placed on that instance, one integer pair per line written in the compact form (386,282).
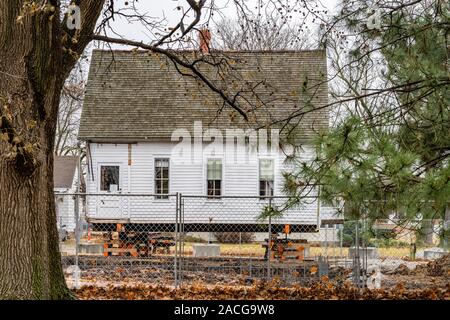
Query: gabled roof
(64,168)
(134,95)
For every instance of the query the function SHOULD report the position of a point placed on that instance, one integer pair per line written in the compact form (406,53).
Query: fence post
(240,251)
(270,239)
(364,250)
(333,241)
(76,271)
(77,228)
(356,262)
(181,233)
(318,207)
(177,211)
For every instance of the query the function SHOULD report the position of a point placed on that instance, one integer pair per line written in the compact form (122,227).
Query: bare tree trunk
(31,79)
(30,264)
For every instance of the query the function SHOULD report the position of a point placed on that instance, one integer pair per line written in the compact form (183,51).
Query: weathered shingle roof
(64,171)
(134,95)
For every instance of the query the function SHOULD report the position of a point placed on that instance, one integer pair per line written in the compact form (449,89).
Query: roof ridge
(217,51)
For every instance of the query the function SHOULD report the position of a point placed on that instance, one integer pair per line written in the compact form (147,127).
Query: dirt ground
(409,280)
(435,273)
(320,290)
(257,250)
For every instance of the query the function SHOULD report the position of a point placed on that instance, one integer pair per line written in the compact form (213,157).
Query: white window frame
(99,175)
(205,179)
(259,175)
(166,157)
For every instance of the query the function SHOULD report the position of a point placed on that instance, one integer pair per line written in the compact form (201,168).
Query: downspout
(129,166)
(89,159)
(130,161)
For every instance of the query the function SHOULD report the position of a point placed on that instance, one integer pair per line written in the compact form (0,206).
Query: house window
(266,177)
(214,178)
(109,178)
(162,178)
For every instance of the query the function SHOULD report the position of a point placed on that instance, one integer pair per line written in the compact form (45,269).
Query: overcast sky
(167,10)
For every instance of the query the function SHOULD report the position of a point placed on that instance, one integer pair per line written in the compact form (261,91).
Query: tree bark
(30,265)
(37,52)
(31,61)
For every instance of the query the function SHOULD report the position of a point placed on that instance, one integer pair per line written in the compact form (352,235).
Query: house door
(110,201)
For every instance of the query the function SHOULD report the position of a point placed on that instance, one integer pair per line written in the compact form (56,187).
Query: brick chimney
(204,40)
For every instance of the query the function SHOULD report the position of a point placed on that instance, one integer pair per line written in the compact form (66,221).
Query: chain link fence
(391,246)
(132,239)
(243,238)
(121,239)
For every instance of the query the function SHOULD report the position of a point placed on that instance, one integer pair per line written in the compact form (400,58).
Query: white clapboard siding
(65,205)
(240,178)
(65,212)
(108,206)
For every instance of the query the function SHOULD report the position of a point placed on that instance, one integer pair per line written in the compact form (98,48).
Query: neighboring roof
(135,95)
(64,168)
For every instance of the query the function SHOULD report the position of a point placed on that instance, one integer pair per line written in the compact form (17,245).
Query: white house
(150,130)
(65,175)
